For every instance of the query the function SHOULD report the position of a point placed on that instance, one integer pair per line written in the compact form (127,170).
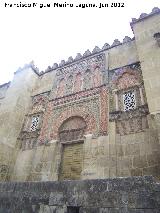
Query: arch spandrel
(82,112)
(72,129)
(125,78)
(75,122)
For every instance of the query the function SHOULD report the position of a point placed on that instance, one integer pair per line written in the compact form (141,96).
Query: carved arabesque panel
(78,83)
(132,125)
(32,124)
(97,77)
(128,106)
(73,123)
(82,75)
(91,105)
(72,129)
(87,80)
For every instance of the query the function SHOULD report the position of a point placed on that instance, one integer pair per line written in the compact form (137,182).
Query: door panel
(71,166)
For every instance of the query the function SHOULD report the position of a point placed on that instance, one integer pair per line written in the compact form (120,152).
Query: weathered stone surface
(116,42)
(115,91)
(106,46)
(138,194)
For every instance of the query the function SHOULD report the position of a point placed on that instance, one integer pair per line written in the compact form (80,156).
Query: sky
(48,35)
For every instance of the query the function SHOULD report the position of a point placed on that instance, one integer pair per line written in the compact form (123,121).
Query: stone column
(141,95)
(116,99)
(157,122)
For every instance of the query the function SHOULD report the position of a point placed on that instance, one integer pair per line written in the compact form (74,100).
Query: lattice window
(35,122)
(129,101)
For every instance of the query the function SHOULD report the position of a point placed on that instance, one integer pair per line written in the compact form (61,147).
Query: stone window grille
(34,122)
(129,100)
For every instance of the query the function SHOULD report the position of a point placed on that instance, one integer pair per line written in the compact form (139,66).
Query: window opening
(35,122)
(129,101)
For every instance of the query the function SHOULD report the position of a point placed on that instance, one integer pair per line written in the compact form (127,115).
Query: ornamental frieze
(126,88)
(82,66)
(121,115)
(39,102)
(92,106)
(77,96)
(85,74)
(125,77)
(33,121)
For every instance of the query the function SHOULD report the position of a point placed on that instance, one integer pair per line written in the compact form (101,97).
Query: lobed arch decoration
(78,82)
(87,79)
(72,129)
(80,111)
(97,78)
(69,84)
(61,88)
(126,78)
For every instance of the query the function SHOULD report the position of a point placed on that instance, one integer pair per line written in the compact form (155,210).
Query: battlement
(143,16)
(95,116)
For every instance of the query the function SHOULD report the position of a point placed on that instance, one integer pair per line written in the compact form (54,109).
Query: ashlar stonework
(95,116)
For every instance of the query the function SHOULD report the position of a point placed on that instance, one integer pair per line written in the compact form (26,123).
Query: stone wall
(3,90)
(38,164)
(120,195)
(116,143)
(149,51)
(12,113)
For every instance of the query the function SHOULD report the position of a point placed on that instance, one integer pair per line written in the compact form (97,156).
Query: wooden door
(71,165)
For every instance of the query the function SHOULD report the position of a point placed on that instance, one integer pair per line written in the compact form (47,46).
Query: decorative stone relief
(29,143)
(87,52)
(69,85)
(128,106)
(97,77)
(124,115)
(124,80)
(32,124)
(70,59)
(78,83)
(126,77)
(133,125)
(82,67)
(72,129)
(126,39)
(106,46)
(91,105)
(61,87)
(78,56)
(39,103)
(96,49)
(4,172)
(116,42)
(87,80)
